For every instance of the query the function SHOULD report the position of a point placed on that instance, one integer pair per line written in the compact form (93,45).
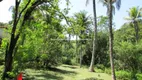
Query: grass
(65,72)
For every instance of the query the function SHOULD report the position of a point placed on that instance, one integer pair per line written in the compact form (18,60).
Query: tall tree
(20,17)
(91,68)
(135,16)
(110,10)
(111,40)
(81,25)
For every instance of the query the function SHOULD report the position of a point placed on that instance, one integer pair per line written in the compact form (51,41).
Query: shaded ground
(65,72)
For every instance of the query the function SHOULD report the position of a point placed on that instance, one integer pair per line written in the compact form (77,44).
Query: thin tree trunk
(81,56)
(0,42)
(111,41)
(91,68)
(76,51)
(136,30)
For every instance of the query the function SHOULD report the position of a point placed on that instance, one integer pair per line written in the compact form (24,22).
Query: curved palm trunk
(111,41)
(91,68)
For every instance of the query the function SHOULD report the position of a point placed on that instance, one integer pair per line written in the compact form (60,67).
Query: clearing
(65,72)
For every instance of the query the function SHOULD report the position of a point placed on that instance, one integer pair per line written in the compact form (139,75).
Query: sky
(78,5)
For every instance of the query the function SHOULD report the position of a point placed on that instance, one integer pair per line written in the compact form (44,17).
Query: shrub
(123,75)
(139,76)
(108,70)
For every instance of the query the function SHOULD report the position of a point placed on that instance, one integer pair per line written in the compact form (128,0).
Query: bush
(73,61)
(100,68)
(123,75)
(139,76)
(108,70)
(65,60)
(1,70)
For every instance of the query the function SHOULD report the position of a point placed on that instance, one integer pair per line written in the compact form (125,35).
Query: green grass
(65,72)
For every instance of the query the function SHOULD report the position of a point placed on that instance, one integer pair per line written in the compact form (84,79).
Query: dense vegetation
(39,37)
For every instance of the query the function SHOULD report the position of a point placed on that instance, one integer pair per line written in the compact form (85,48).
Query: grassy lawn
(65,72)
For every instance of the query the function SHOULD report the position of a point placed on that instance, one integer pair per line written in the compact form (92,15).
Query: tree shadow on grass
(50,74)
(92,79)
(72,67)
(62,71)
(43,76)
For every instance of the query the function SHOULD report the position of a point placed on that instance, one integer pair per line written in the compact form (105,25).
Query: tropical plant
(21,13)
(91,68)
(135,16)
(110,10)
(81,24)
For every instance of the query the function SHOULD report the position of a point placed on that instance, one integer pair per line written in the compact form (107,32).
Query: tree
(111,37)
(135,16)
(20,17)
(82,23)
(110,9)
(111,40)
(91,68)
(128,54)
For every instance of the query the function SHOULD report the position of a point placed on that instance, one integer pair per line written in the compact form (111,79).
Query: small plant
(11,74)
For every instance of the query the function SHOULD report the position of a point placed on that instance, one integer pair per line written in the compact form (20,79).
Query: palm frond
(139,14)
(128,18)
(104,3)
(87,2)
(118,4)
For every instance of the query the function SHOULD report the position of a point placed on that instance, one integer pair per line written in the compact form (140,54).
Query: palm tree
(91,68)
(111,40)
(110,10)
(135,15)
(82,24)
(106,4)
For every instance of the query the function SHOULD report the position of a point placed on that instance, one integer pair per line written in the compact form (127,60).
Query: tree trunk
(14,38)
(81,56)
(0,42)
(9,56)
(91,68)
(136,30)
(76,50)
(111,41)
(8,65)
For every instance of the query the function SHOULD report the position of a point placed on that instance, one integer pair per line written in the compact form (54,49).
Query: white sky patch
(76,6)
(5,14)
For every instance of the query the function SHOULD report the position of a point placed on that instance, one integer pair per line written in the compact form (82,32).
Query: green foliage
(107,70)
(127,51)
(11,74)
(41,42)
(139,76)
(123,75)
(1,70)
(129,55)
